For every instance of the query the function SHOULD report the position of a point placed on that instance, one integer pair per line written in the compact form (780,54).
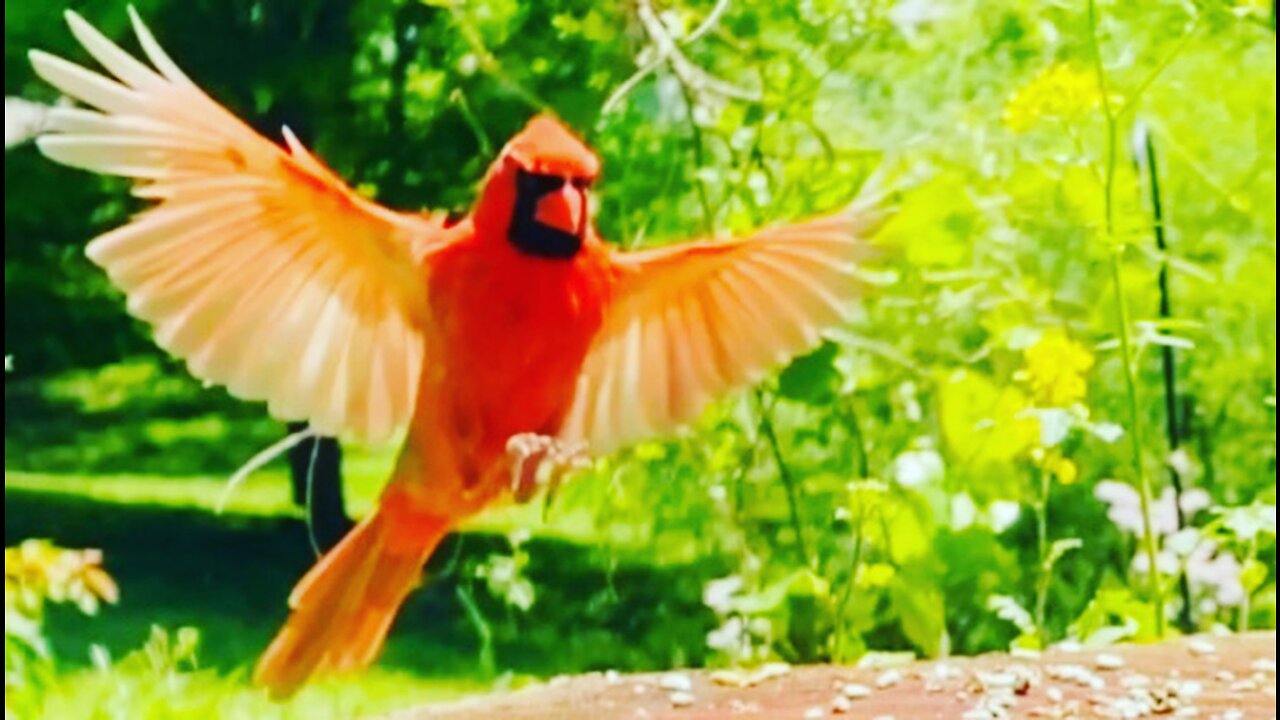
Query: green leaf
(811,378)
(921,611)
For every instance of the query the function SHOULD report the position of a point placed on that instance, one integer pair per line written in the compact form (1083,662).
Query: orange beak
(562,209)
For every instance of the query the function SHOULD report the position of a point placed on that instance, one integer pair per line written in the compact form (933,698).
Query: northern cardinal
(268,275)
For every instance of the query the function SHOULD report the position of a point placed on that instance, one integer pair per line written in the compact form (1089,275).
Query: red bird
(268,275)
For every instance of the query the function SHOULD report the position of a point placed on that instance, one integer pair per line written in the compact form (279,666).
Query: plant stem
(793,500)
(1123,322)
(1145,157)
(859,441)
(1242,625)
(1042,549)
(488,666)
(855,565)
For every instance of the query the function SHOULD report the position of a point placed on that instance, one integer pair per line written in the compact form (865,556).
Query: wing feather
(257,265)
(691,322)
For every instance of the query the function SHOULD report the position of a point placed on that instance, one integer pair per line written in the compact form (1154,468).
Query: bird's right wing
(257,265)
(692,321)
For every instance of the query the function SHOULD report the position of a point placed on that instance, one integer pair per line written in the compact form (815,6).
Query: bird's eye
(581,183)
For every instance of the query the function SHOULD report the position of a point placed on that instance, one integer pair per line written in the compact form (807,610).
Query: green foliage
(37,573)
(951,473)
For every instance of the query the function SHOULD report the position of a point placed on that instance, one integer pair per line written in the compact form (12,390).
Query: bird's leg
(542,461)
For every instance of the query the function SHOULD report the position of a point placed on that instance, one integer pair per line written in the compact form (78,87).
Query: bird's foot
(542,461)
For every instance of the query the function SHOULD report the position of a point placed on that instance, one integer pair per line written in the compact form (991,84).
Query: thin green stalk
(1145,158)
(860,442)
(1042,550)
(793,499)
(488,665)
(1123,322)
(855,565)
(699,157)
(1246,605)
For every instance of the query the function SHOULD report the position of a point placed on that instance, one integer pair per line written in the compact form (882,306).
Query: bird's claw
(542,461)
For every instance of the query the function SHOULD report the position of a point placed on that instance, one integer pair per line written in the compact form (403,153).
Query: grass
(179,564)
(135,461)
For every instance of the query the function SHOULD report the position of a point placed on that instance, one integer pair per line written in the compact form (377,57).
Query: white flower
(1124,506)
(718,594)
(918,467)
(1003,514)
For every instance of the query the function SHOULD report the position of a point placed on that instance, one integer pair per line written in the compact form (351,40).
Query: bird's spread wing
(257,265)
(690,322)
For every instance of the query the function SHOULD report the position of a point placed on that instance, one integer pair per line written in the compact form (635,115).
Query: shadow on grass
(161,423)
(229,576)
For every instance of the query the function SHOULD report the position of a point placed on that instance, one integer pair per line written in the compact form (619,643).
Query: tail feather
(344,606)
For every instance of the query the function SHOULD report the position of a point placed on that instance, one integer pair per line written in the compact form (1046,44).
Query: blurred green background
(958,470)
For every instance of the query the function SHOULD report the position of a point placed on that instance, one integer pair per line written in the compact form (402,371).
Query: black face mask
(534,237)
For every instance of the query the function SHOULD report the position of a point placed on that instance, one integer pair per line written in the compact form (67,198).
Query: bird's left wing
(258,265)
(692,321)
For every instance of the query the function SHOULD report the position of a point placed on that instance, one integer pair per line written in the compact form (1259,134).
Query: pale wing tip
(135,18)
(77,23)
(42,61)
(48,145)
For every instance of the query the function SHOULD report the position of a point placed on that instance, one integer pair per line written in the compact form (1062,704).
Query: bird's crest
(545,146)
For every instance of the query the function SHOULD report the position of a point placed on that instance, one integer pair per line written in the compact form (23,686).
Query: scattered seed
(1108,661)
(1071,672)
(854,691)
(1025,653)
(1136,680)
(1188,688)
(1232,714)
(841,704)
(612,677)
(1224,676)
(1187,711)
(997,680)
(1054,694)
(888,678)
(770,671)
(676,681)
(814,713)
(732,678)
(1200,646)
(1266,665)
(682,698)
(1246,685)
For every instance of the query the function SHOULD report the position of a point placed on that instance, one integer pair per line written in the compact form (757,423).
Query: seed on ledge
(1200,646)
(1108,661)
(681,698)
(854,691)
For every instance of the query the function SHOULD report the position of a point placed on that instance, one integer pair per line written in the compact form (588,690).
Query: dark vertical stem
(793,498)
(1145,155)
(1042,551)
(859,440)
(699,157)
(315,467)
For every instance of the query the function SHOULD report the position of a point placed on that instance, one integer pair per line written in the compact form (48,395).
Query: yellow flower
(1061,90)
(1055,369)
(1060,467)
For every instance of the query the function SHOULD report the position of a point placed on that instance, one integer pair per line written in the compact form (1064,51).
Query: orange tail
(344,605)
